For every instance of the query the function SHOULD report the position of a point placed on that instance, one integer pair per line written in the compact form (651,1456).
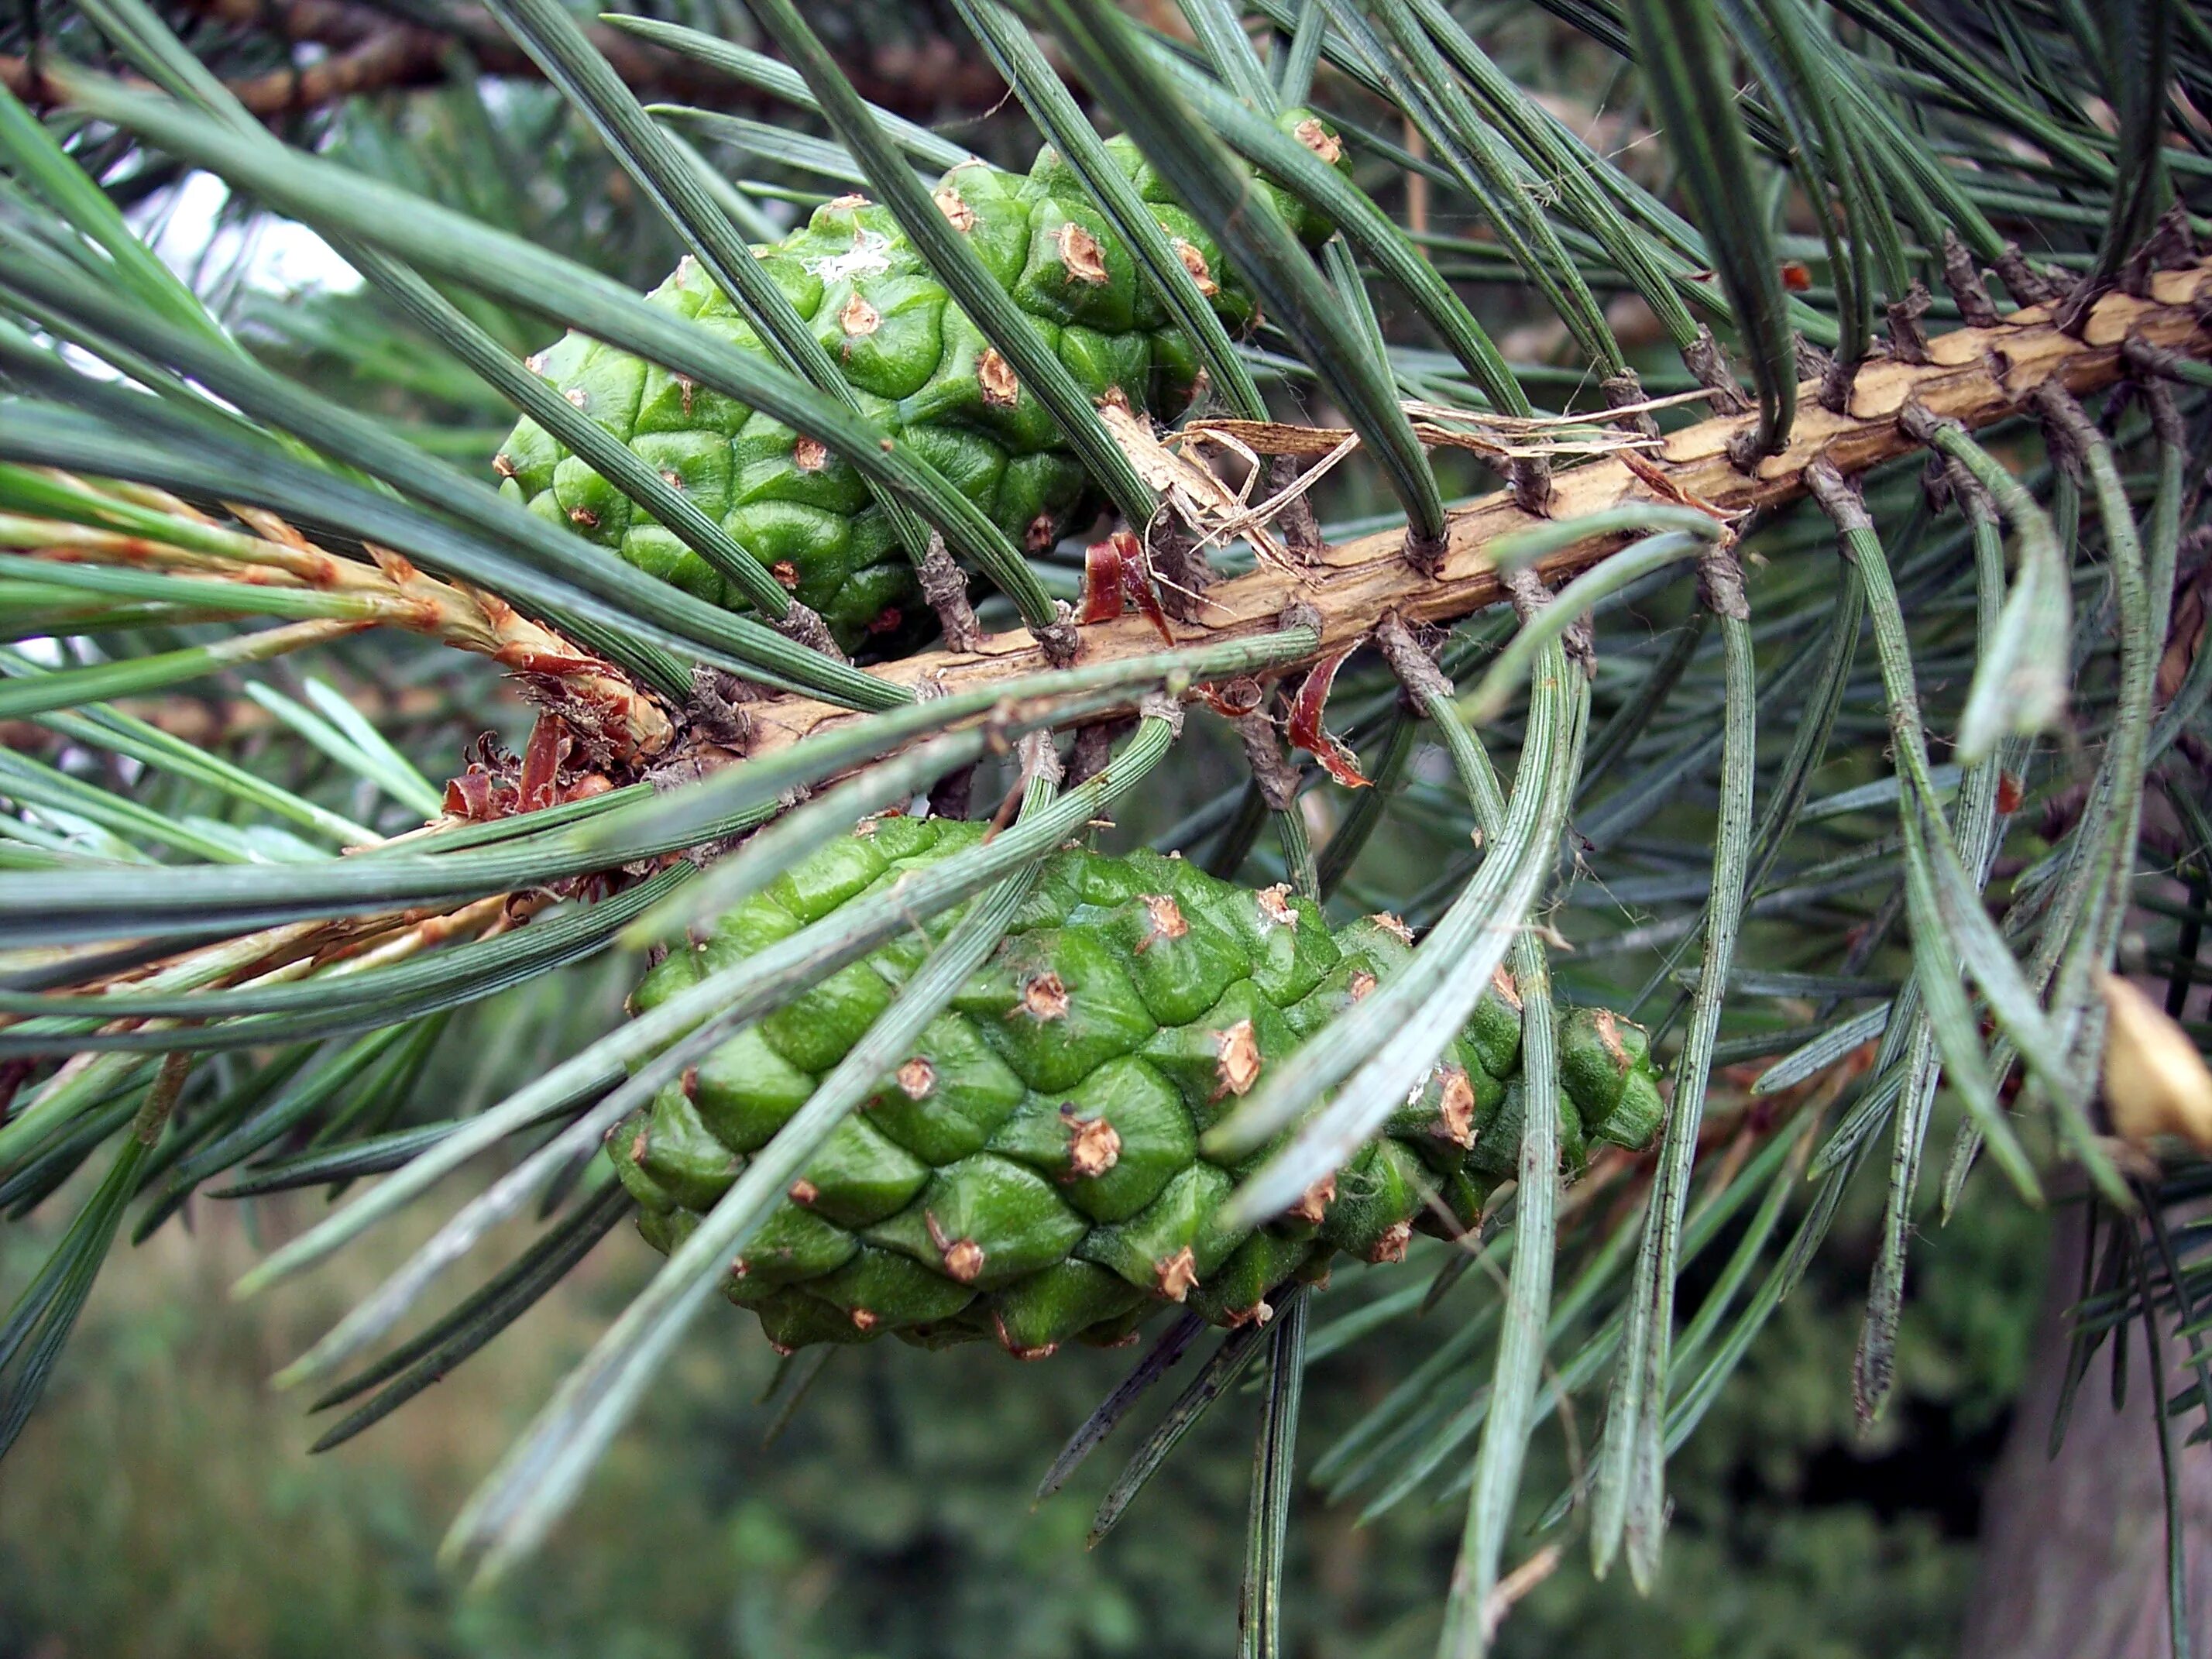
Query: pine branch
(1978,377)
(368,51)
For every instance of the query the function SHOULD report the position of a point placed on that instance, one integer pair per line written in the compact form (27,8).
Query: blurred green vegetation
(162,1502)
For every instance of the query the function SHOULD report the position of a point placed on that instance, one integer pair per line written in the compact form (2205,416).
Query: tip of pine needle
(648,929)
(479,1564)
(299,1370)
(1224,1141)
(251,1284)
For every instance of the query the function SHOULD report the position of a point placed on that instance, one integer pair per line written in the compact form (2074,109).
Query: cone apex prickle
(1032,1173)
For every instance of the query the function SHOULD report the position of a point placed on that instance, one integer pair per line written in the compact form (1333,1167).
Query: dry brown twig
(294,950)
(614,717)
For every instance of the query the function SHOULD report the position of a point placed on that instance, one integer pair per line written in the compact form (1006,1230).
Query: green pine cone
(1032,1171)
(922,369)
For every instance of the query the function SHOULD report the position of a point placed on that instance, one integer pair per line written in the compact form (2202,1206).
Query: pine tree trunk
(2073,1547)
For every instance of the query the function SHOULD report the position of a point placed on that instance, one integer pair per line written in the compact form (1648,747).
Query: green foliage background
(163,1504)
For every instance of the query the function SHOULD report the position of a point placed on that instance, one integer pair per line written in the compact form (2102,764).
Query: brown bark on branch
(372,51)
(1973,375)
